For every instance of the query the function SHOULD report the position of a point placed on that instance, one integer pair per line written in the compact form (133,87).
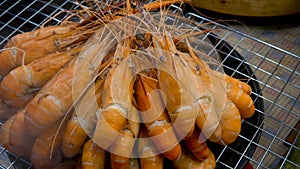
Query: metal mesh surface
(275,71)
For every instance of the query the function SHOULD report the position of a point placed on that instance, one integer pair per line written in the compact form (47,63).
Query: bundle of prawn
(125,89)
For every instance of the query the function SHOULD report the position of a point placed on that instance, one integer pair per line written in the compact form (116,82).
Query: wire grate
(23,16)
(276,71)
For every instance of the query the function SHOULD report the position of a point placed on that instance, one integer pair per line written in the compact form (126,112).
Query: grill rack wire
(277,72)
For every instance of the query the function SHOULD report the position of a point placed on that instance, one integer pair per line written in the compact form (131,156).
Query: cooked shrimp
(51,103)
(81,123)
(93,156)
(46,151)
(230,123)
(150,158)
(6,111)
(73,138)
(188,161)
(112,116)
(121,149)
(123,145)
(23,82)
(160,130)
(199,87)
(26,47)
(199,148)
(239,93)
(179,86)
(4,139)
(19,138)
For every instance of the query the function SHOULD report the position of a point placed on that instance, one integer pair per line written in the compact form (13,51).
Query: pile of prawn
(121,89)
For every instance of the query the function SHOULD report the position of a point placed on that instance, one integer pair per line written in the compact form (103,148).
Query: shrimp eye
(140,37)
(162,58)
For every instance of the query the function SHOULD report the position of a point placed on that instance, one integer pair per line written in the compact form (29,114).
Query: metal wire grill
(276,71)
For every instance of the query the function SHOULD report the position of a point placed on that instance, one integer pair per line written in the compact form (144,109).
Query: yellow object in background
(257,8)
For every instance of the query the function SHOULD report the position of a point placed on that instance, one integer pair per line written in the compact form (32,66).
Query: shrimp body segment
(188,161)
(93,156)
(46,150)
(199,149)
(149,156)
(230,124)
(122,150)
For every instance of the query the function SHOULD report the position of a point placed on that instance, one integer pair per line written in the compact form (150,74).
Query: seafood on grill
(137,94)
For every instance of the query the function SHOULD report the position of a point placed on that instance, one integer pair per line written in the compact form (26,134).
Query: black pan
(237,154)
